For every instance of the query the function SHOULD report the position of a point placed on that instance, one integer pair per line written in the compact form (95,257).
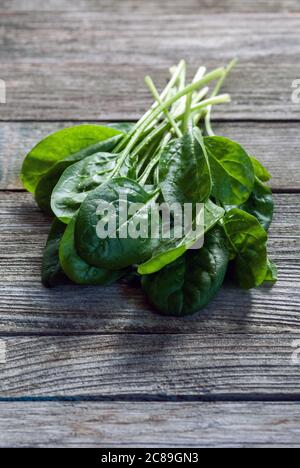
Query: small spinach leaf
(77,269)
(248,242)
(167,251)
(231,169)
(119,250)
(260,171)
(58,146)
(272,273)
(184,171)
(260,204)
(52,273)
(49,180)
(189,284)
(78,181)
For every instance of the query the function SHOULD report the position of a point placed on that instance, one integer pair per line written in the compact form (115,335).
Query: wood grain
(275,144)
(155,6)
(240,366)
(91,65)
(27,307)
(149,425)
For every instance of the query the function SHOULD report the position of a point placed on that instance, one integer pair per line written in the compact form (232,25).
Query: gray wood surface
(156,7)
(150,425)
(27,307)
(239,366)
(78,65)
(276,145)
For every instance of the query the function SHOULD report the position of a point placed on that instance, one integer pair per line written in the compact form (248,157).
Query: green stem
(151,150)
(176,74)
(187,113)
(216,90)
(188,89)
(163,127)
(156,96)
(143,179)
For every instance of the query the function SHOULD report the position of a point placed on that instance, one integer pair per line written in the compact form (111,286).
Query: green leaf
(58,146)
(260,171)
(52,273)
(124,127)
(78,181)
(170,250)
(49,180)
(189,284)
(231,169)
(272,273)
(260,204)
(184,172)
(248,241)
(119,252)
(77,269)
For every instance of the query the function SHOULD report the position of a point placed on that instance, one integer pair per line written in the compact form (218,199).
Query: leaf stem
(216,90)
(176,72)
(156,112)
(163,127)
(187,113)
(156,96)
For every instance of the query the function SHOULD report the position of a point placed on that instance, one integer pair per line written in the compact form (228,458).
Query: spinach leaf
(58,146)
(272,273)
(189,284)
(248,243)
(49,180)
(77,181)
(124,127)
(167,251)
(52,273)
(119,250)
(231,169)
(260,171)
(260,204)
(184,172)
(77,269)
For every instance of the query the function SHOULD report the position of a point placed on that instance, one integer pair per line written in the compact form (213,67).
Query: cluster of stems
(178,107)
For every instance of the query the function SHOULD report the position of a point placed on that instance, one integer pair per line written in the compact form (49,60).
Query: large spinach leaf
(169,250)
(184,172)
(49,180)
(231,170)
(248,243)
(119,250)
(58,146)
(124,127)
(191,282)
(76,268)
(78,181)
(52,273)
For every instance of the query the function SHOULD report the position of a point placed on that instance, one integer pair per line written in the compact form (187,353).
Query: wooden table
(96,367)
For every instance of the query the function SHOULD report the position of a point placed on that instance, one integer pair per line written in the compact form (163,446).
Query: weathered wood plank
(275,144)
(77,65)
(155,6)
(27,307)
(222,365)
(149,425)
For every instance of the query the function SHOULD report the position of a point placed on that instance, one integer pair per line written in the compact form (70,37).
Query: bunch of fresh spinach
(171,155)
